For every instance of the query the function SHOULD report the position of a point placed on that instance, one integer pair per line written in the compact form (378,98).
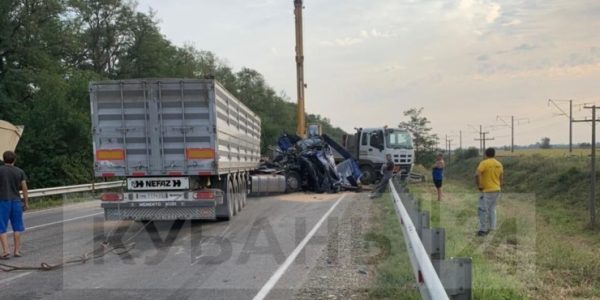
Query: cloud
(373,33)
(362,36)
(274,51)
(483,57)
(342,42)
(513,22)
(477,10)
(524,47)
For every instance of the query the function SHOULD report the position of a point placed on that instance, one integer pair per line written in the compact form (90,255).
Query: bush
(471,152)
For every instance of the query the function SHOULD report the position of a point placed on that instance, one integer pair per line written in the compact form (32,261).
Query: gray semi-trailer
(185,146)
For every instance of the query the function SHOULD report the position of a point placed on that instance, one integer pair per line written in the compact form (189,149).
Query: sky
(466,62)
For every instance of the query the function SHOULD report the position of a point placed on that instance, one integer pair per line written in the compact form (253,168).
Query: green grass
(394,275)
(544,247)
(61,200)
(458,215)
(552,152)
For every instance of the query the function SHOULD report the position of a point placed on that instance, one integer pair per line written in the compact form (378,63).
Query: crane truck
(185,147)
(369,146)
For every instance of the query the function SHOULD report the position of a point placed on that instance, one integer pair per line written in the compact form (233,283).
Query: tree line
(51,49)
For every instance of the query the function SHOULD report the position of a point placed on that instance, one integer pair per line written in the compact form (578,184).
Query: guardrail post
(456,277)
(434,241)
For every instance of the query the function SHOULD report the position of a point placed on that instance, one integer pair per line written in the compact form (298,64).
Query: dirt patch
(343,270)
(309,197)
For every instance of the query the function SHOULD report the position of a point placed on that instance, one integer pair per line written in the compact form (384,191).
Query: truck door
(374,149)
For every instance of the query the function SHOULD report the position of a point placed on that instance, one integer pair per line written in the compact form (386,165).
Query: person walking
(387,169)
(437,174)
(488,178)
(12,179)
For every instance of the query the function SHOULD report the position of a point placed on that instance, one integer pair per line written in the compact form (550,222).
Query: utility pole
(593,196)
(483,139)
(592,203)
(571,126)
(512,128)
(570,116)
(300,125)
(449,151)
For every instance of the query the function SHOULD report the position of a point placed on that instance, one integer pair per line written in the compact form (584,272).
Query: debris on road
(308,165)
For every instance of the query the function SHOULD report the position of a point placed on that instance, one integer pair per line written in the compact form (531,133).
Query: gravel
(342,271)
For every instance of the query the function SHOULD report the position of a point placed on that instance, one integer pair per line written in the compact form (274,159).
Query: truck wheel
(244,189)
(293,182)
(238,193)
(368,174)
(226,210)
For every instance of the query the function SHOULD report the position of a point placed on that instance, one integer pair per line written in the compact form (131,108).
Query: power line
(512,128)
(553,102)
(592,202)
(482,139)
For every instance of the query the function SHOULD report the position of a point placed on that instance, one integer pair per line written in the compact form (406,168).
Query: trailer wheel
(368,174)
(226,210)
(238,193)
(244,189)
(293,182)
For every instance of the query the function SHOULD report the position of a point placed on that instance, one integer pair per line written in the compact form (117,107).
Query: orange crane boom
(300,122)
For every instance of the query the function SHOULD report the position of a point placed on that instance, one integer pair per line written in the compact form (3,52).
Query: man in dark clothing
(387,169)
(12,179)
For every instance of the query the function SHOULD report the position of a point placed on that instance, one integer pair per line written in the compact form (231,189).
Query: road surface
(265,252)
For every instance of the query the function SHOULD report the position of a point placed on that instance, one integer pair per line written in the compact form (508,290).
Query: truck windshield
(398,140)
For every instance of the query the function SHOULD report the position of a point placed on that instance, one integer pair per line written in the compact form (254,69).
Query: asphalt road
(267,251)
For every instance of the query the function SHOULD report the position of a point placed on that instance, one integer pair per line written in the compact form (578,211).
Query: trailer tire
(238,193)
(226,210)
(293,182)
(368,174)
(244,189)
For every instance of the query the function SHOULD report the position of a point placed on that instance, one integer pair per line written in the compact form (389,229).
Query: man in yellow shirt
(488,179)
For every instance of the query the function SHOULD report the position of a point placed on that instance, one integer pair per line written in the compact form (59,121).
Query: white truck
(185,147)
(370,145)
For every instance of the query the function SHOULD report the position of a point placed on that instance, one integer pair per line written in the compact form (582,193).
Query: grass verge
(534,254)
(64,199)
(394,278)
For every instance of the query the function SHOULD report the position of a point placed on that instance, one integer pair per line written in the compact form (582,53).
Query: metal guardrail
(430,285)
(437,277)
(74,188)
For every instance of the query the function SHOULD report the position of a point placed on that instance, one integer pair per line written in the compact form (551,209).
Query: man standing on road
(12,179)
(488,179)
(387,169)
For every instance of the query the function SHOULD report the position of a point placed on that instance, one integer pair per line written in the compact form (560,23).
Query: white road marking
(63,206)
(63,221)
(264,291)
(9,279)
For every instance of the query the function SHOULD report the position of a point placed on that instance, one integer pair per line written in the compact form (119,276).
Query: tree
(545,143)
(51,49)
(423,140)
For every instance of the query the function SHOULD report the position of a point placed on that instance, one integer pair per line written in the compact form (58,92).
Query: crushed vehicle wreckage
(309,165)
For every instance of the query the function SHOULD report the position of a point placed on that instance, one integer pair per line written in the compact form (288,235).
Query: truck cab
(370,145)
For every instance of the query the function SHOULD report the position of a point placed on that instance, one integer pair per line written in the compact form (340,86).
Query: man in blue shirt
(437,174)
(12,179)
